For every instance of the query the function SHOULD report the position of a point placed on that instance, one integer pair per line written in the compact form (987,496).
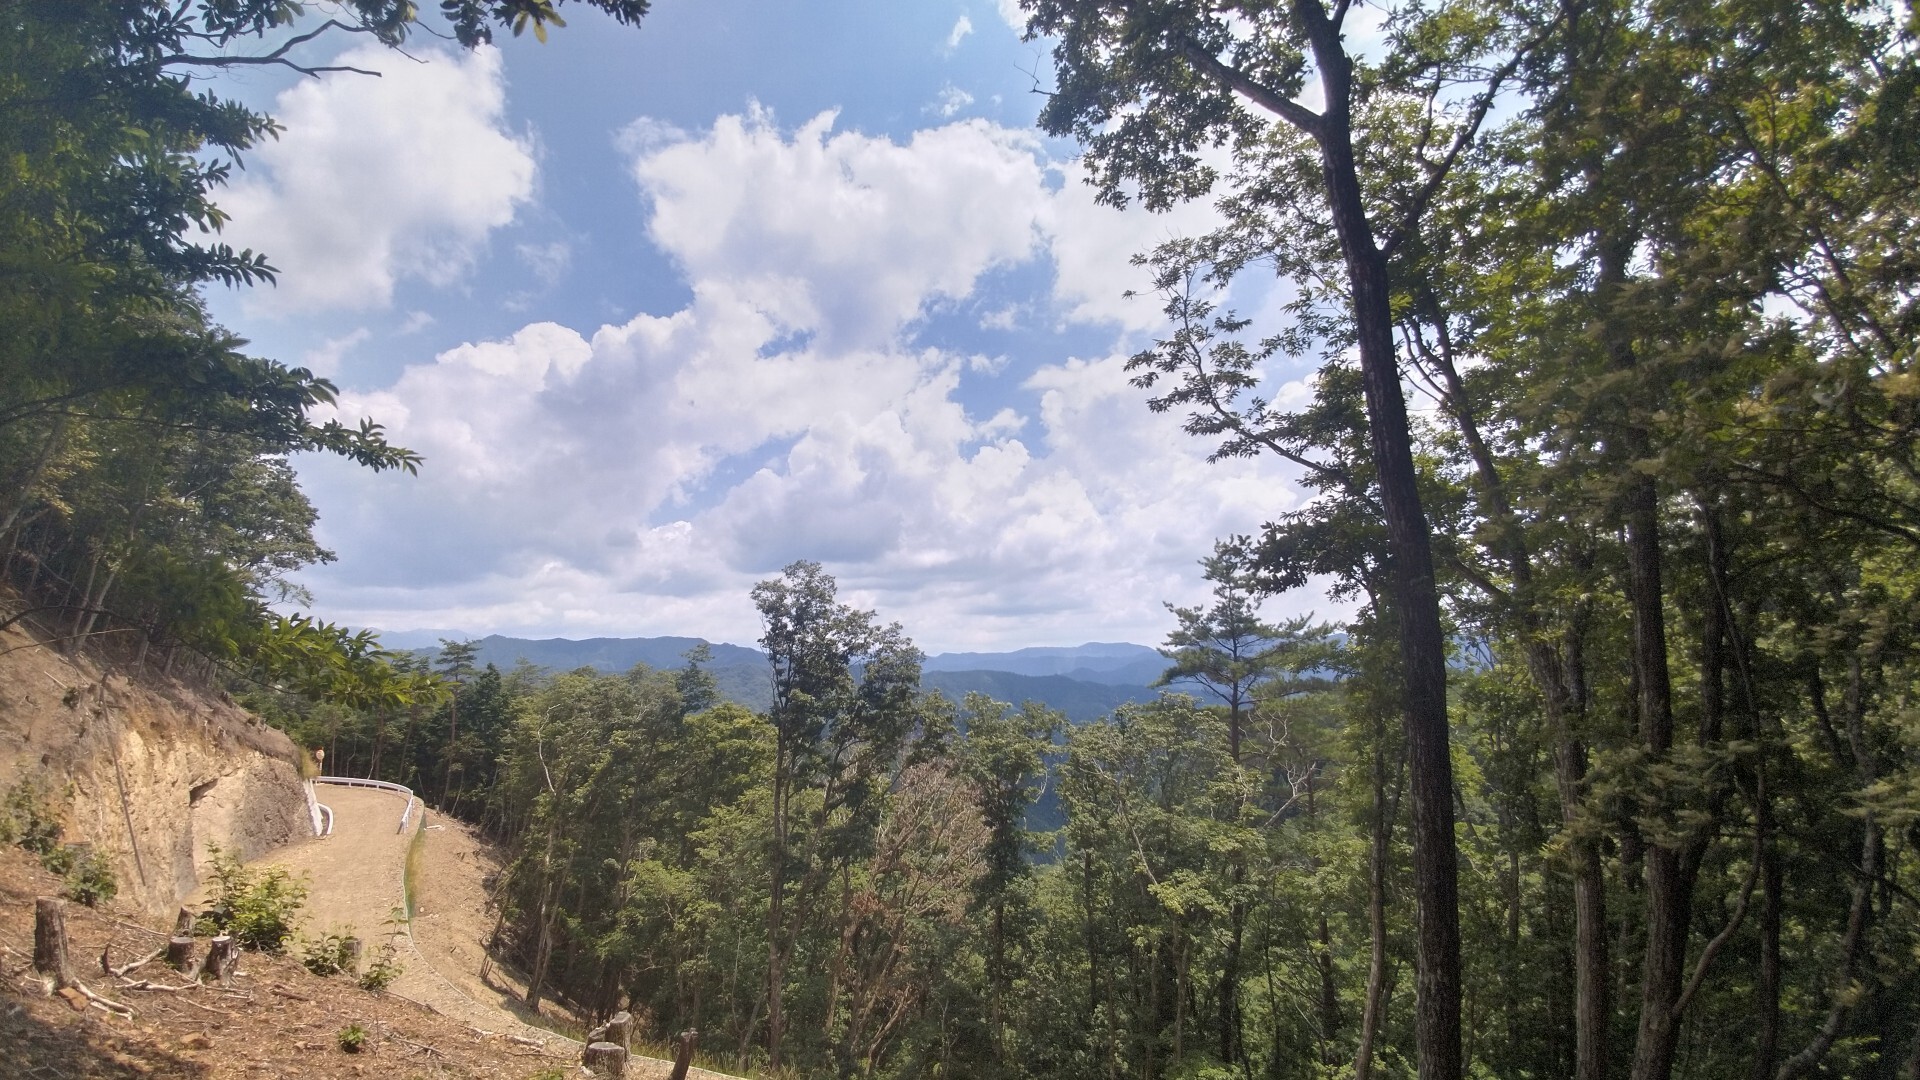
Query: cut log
(50,943)
(683,1057)
(180,952)
(223,955)
(605,1059)
(617,1029)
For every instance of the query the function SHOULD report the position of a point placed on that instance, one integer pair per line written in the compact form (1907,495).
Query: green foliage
(352,1039)
(60,859)
(384,968)
(329,954)
(27,818)
(90,881)
(258,907)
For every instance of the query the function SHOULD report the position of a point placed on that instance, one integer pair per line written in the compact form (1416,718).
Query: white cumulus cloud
(950,101)
(379,179)
(840,232)
(961,28)
(637,479)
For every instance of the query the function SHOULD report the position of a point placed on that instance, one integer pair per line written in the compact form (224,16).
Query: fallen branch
(106,965)
(149,986)
(204,1008)
(388,1032)
(136,926)
(104,1004)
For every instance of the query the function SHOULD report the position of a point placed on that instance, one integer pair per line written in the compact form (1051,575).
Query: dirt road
(355,880)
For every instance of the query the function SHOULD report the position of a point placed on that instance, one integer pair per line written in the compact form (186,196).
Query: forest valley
(1614,772)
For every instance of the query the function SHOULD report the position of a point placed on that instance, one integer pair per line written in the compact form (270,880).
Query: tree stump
(50,942)
(180,952)
(183,922)
(683,1057)
(617,1029)
(605,1059)
(355,951)
(223,955)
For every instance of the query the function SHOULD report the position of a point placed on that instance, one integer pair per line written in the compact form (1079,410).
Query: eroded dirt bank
(149,771)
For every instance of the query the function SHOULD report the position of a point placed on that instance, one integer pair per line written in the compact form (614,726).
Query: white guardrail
(319,813)
(381,785)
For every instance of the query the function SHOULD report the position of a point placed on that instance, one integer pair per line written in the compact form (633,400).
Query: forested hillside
(1612,450)
(1081,682)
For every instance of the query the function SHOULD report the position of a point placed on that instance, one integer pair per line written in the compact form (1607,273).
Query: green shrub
(90,881)
(384,969)
(59,859)
(256,907)
(353,1038)
(27,819)
(329,954)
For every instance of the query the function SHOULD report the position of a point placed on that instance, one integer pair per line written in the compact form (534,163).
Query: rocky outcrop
(152,772)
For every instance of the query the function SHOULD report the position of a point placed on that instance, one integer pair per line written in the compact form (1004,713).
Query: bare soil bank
(150,771)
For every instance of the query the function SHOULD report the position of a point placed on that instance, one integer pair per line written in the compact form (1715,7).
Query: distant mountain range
(1084,681)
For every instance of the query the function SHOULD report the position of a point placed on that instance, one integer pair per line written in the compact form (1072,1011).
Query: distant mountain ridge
(1084,681)
(1112,663)
(605,654)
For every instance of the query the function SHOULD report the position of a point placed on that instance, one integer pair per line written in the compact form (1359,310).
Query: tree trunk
(180,953)
(1416,599)
(223,955)
(24,489)
(775,915)
(1666,893)
(95,604)
(617,1029)
(1231,1050)
(50,953)
(1766,1050)
(1562,693)
(605,1059)
(1370,1017)
(683,1054)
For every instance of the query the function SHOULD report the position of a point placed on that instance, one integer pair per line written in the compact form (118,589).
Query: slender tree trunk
(379,740)
(24,489)
(1231,1049)
(86,597)
(1180,959)
(996,1019)
(1329,996)
(1562,691)
(776,899)
(1415,593)
(1229,986)
(1666,895)
(1766,1050)
(453,734)
(1370,1018)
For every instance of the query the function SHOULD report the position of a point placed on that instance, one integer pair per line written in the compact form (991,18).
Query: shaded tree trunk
(1375,1007)
(1416,599)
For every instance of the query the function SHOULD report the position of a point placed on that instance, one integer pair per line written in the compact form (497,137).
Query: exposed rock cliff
(150,771)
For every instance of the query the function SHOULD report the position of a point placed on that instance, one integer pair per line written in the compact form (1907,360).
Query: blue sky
(668,308)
